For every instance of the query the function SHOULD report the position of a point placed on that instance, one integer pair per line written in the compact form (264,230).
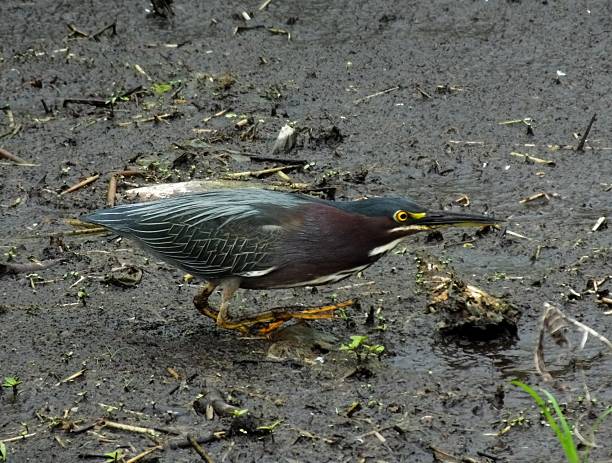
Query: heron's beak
(439,219)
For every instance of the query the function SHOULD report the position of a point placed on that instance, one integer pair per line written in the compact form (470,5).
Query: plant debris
(465,310)
(555,322)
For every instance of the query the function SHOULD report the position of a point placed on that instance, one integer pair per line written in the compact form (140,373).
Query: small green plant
(269,427)
(82,295)
(11,254)
(12,382)
(239,412)
(559,424)
(160,88)
(113,457)
(362,350)
(3,452)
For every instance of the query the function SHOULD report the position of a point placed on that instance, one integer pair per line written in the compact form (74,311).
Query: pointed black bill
(444,219)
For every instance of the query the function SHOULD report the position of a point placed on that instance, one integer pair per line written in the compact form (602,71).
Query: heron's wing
(212,235)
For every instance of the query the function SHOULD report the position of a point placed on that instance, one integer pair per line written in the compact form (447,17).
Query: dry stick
(112,191)
(141,455)
(87,231)
(260,173)
(583,140)
(534,197)
(423,93)
(112,184)
(72,377)
(13,439)
(75,31)
(382,92)
(138,89)
(533,159)
(199,450)
(112,27)
(9,268)
(130,428)
(4,154)
(601,221)
(210,437)
(81,184)
(97,102)
(45,107)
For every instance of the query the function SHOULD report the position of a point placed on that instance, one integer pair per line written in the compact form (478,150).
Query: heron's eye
(400,216)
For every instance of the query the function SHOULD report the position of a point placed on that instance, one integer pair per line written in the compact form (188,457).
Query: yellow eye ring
(400,216)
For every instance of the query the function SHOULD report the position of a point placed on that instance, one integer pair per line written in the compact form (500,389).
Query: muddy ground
(142,355)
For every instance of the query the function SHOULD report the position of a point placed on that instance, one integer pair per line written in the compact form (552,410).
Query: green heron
(262,239)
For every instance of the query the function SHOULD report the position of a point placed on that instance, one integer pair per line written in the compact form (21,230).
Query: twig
(382,92)
(128,427)
(112,27)
(85,428)
(533,159)
(112,191)
(583,140)
(141,455)
(264,5)
(533,197)
(600,222)
(88,231)
(112,184)
(76,32)
(19,165)
(184,443)
(72,377)
(264,172)
(13,439)
(516,235)
(4,154)
(199,450)
(423,93)
(46,107)
(8,268)
(81,184)
(97,102)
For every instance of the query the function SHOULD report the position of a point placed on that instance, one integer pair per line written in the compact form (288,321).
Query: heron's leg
(230,286)
(263,322)
(275,318)
(201,300)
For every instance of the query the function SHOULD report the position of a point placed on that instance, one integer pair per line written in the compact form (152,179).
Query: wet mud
(477,106)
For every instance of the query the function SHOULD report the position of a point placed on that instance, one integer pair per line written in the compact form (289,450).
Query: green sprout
(11,254)
(164,87)
(358,346)
(11,382)
(558,422)
(269,427)
(161,88)
(82,295)
(113,457)
(239,412)
(3,452)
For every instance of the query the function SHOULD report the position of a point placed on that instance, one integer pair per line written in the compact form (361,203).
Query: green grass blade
(563,433)
(566,436)
(541,403)
(594,429)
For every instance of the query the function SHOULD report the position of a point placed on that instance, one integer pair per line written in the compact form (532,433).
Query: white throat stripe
(385,247)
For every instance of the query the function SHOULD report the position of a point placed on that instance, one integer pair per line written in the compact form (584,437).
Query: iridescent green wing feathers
(212,235)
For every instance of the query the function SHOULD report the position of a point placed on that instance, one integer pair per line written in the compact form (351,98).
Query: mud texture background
(142,355)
